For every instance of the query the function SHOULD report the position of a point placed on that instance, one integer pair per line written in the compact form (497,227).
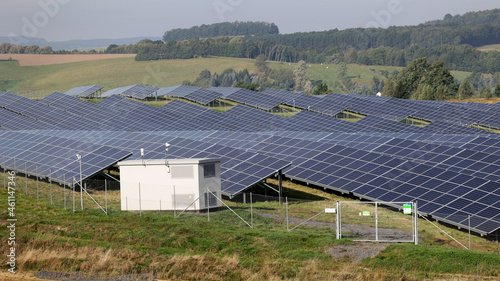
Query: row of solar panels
(450,183)
(387,108)
(452,171)
(60,111)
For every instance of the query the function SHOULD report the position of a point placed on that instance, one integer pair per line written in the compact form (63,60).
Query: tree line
(221,29)
(8,48)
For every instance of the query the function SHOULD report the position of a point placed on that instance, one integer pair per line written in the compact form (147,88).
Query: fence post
(26,176)
(337,220)
(73,185)
(50,185)
(37,196)
(416,223)
(469,233)
(140,206)
(174,204)
(4,173)
(286,207)
(106,195)
(251,209)
(64,188)
(376,221)
(208,210)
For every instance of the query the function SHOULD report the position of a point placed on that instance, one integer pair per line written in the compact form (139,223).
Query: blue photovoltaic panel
(255,99)
(133,91)
(177,91)
(55,157)
(203,96)
(224,91)
(84,91)
(448,167)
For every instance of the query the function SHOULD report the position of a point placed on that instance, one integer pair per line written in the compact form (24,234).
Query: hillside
(221,29)
(113,73)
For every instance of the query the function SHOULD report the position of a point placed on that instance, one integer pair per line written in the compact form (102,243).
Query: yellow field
(34,59)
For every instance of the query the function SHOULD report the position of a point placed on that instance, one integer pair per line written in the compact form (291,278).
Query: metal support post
(64,189)
(26,177)
(251,210)
(337,234)
(416,223)
(207,198)
(37,195)
(376,221)
(106,195)
(287,223)
(50,185)
(174,203)
(469,233)
(73,185)
(280,176)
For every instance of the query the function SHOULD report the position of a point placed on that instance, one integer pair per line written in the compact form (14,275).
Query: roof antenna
(166,162)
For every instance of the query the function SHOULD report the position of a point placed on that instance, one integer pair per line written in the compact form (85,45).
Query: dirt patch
(357,252)
(35,59)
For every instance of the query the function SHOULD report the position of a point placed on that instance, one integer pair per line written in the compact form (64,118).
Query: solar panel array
(55,157)
(196,94)
(255,99)
(84,91)
(451,169)
(133,91)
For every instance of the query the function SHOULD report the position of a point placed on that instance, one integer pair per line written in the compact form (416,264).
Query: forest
(221,29)
(451,40)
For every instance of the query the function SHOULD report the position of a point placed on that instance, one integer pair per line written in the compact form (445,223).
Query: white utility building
(160,184)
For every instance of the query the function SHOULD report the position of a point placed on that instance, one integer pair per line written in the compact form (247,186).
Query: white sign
(330,210)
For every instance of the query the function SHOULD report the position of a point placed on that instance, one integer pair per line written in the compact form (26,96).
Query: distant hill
(79,44)
(221,29)
(470,18)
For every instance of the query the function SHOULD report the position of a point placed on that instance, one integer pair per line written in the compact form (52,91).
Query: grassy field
(495,47)
(118,72)
(193,248)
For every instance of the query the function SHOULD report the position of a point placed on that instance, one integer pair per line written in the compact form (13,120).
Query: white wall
(156,181)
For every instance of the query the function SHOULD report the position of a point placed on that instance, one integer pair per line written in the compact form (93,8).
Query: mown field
(118,72)
(190,247)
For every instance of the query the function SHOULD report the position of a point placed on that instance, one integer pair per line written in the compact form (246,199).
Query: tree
(301,83)
(496,93)
(321,89)
(465,90)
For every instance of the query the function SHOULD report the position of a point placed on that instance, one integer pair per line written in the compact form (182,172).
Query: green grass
(110,73)
(113,73)
(192,248)
(430,261)
(494,47)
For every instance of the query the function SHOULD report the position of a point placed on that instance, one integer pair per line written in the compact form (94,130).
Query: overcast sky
(59,20)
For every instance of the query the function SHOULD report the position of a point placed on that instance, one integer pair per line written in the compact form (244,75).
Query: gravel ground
(357,252)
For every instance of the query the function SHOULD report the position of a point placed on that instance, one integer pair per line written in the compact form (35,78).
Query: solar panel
(449,168)
(55,157)
(134,91)
(84,91)
(255,99)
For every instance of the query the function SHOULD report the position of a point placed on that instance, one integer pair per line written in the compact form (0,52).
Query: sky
(60,20)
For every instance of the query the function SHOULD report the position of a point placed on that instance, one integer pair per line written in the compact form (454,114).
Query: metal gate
(369,221)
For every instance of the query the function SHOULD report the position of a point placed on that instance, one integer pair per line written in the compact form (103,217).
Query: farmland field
(33,59)
(117,72)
